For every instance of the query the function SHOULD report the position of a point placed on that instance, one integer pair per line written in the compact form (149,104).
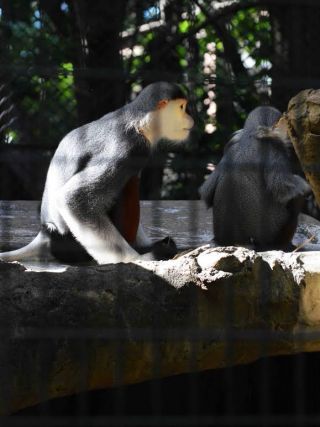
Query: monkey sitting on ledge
(255,191)
(90,206)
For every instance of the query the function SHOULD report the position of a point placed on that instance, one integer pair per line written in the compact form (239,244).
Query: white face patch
(171,121)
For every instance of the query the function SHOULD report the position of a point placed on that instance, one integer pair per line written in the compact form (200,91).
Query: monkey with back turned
(90,205)
(255,191)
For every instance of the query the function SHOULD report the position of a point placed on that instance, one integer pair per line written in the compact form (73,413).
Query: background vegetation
(67,62)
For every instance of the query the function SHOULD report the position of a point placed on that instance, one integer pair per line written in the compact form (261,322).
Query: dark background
(64,63)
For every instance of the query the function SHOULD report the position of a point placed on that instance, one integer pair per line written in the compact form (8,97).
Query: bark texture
(302,120)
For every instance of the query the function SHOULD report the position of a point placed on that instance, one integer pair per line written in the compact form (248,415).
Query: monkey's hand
(295,187)
(161,250)
(310,207)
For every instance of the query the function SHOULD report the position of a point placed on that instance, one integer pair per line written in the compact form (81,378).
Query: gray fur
(254,191)
(89,169)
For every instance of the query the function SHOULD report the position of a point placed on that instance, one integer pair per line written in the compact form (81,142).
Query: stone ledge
(95,327)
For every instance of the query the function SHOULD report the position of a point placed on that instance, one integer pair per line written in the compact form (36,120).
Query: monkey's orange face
(172,121)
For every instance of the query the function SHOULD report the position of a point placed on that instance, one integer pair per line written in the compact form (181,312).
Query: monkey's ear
(162,103)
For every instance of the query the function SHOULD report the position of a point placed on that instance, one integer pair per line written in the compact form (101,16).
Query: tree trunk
(99,74)
(295,65)
(302,123)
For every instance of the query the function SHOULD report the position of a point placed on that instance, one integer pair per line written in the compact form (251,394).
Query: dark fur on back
(254,191)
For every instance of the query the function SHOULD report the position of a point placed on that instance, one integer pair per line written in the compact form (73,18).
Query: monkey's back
(244,211)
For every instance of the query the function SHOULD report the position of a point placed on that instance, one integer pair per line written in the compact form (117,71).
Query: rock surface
(302,120)
(95,327)
(82,328)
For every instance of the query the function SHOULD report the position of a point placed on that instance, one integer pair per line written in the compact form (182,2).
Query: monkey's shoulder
(107,136)
(92,134)
(263,140)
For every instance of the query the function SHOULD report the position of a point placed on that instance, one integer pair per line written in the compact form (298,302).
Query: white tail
(39,248)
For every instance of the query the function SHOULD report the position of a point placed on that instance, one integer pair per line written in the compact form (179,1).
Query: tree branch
(230,45)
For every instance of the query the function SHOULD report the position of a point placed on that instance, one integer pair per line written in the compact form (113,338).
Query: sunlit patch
(210,128)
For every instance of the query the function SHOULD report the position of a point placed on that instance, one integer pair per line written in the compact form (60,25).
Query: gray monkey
(90,205)
(255,190)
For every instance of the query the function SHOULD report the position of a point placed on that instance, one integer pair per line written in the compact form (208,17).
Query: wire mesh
(58,71)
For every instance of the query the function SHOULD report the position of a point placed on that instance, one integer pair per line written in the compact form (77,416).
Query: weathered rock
(302,121)
(95,327)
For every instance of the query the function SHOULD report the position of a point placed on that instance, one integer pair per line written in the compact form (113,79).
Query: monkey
(90,206)
(256,191)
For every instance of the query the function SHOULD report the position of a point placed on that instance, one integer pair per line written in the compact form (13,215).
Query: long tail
(39,248)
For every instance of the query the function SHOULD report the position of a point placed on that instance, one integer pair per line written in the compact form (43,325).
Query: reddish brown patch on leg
(126,214)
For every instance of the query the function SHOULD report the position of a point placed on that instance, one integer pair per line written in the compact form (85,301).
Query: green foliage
(252,30)
(42,61)
(41,80)
(184,26)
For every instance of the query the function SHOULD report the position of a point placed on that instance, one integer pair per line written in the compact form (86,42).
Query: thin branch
(230,45)
(304,243)
(228,10)
(211,19)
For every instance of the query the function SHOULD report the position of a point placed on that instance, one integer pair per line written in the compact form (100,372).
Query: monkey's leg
(142,241)
(284,239)
(126,216)
(126,213)
(83,209)
(161,250)
(101,239)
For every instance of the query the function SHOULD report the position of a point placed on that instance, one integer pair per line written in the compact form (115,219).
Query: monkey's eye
(181,106)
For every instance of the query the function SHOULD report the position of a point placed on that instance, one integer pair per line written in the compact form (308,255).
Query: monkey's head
(161,108)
